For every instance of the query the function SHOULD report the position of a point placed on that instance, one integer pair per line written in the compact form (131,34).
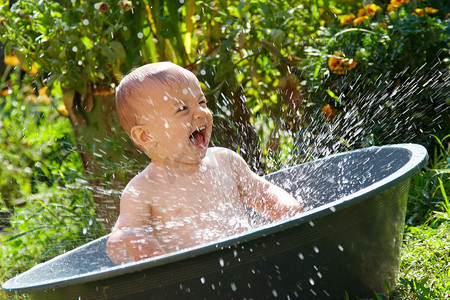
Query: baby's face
(179,121)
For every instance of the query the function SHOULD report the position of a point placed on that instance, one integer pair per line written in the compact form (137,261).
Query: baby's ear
(142,137)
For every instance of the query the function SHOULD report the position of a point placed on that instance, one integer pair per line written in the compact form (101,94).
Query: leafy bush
(43,190)
(379,75)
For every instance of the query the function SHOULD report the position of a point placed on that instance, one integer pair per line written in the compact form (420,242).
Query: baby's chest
(209,195)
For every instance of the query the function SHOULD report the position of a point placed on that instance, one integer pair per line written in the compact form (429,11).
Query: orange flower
(349,64)
(6,92)
(43,91)
(339,63)
(420,12)
(360,20)
(370,10)
(329,111)
(430,10)
(11,60)
(33,69)
(335,61)
(396,4)
(43,98)
(347,19)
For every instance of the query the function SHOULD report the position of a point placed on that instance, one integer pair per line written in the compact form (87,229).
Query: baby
(189,194)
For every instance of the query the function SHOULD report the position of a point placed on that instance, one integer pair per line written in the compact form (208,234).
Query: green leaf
(110,55)
(333,95)
(87,42)
(118,50)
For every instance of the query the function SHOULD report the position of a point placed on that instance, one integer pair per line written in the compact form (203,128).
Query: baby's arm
(265,197)
(128,240)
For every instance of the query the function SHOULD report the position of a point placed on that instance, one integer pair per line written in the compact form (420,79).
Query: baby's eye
(182,108)
(203,102)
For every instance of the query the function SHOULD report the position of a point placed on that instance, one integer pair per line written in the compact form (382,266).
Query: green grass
(425,265)
(425,257)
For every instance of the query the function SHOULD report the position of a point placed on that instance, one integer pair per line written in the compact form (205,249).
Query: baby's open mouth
(198,137)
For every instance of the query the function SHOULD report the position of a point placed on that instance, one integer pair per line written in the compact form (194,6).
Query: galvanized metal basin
(348,242)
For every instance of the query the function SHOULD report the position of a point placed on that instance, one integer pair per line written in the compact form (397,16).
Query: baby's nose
(200,112)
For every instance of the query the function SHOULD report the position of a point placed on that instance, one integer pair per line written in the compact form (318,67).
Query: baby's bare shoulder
(142,186)
(222,155)
(226,156)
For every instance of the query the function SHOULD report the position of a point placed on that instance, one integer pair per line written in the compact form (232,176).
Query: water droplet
(74,48)
(233,287)
(300,255)
(185,91)
(165,98)
(311,223)
(319,274)
(221,262)
(316,249)
(311,281)
(166,125)
(340,247)
(202,72)
(80,62)
(86,22)
(203,280)
(275,293)
(333,209)
(140,35)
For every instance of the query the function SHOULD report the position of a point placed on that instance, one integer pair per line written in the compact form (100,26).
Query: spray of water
(383,111)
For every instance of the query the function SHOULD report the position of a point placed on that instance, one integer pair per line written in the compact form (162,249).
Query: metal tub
(346,243)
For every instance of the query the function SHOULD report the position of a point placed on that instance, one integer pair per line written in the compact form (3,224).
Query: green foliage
(425,263)
(72,42)
(43,190)
(428,200)
(398,90)
(265,60)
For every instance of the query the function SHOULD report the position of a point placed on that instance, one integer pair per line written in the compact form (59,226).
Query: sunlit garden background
(287,81)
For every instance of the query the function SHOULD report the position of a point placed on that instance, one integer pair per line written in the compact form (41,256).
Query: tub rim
(419,157)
